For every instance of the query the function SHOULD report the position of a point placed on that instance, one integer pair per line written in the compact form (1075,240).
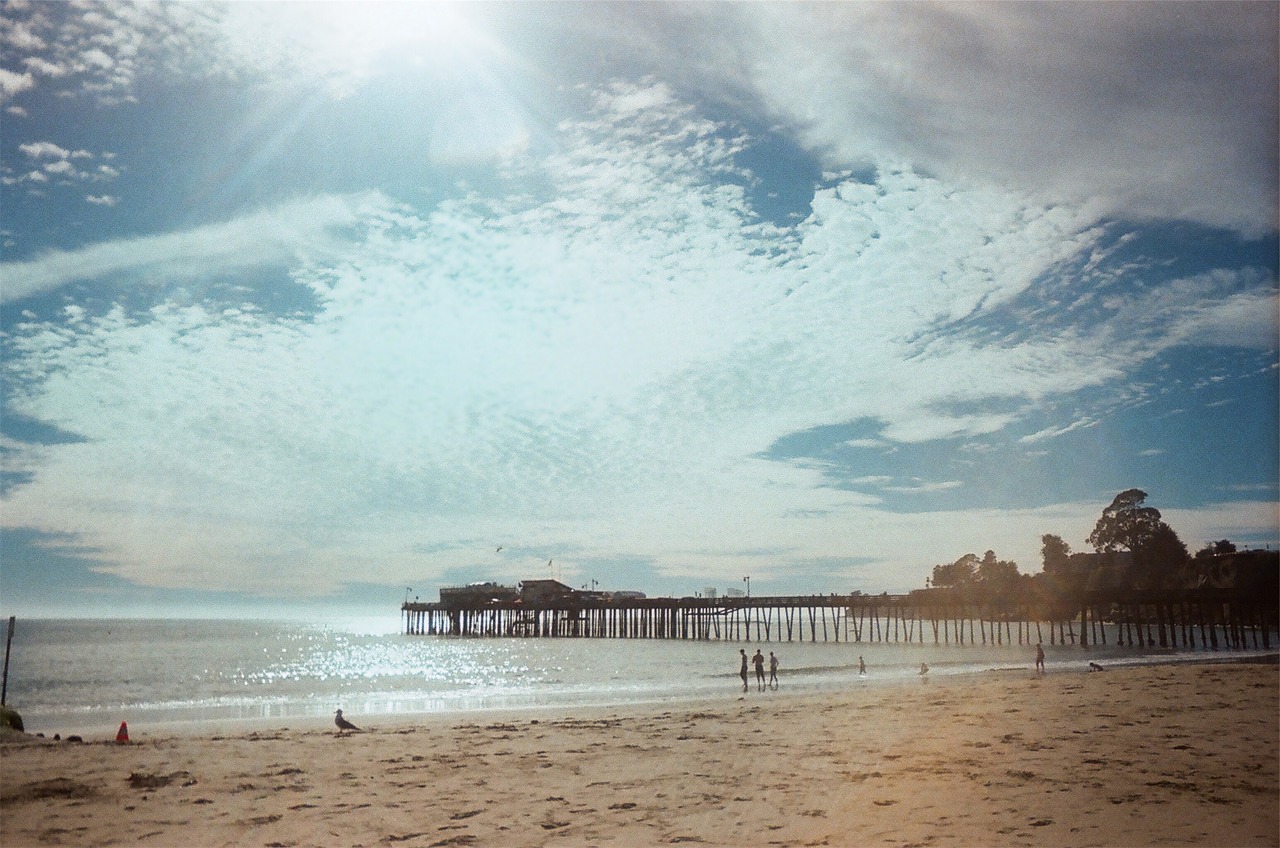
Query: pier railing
(1209,618)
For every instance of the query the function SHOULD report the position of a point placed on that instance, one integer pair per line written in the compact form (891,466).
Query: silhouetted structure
(1216,617)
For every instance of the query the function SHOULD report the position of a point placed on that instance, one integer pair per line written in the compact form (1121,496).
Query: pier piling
(1136,619)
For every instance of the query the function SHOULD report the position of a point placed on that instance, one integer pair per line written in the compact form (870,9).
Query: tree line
(1133,549)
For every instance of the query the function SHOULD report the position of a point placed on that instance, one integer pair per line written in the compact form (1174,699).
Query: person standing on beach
(1040,657)
(862,667)
(773,670)
(758,659)
(743,671)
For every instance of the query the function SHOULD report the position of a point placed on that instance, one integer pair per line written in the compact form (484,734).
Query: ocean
(86,676)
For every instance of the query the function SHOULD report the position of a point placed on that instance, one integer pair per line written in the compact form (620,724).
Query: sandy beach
(1165,755)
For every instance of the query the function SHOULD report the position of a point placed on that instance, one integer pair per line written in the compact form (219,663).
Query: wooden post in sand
(8,641)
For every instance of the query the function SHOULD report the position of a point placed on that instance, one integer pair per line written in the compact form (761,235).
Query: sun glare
(346,42)
(365,31)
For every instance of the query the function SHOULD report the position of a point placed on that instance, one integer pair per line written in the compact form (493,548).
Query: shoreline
(103,727)
(1162,754)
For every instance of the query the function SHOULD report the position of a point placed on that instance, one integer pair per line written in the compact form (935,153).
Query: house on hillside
(1251,571)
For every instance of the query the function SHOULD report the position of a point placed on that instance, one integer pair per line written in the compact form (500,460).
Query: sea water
(84,676)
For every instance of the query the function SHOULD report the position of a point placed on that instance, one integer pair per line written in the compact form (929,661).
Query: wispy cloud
(1054,98)
(871,480)
(598,369)
(1054,432)
(1047,100)
(310,228)
(921,487)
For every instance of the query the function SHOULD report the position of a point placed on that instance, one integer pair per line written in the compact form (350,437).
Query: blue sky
(304,304)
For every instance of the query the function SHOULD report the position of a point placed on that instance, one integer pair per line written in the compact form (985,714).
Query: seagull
(499,550)
(342,723)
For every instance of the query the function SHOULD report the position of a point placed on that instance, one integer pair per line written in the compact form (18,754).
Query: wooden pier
(1208,618)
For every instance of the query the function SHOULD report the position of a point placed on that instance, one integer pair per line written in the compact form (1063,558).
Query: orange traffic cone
(122,735)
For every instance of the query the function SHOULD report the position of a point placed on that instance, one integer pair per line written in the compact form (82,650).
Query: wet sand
(1184,754)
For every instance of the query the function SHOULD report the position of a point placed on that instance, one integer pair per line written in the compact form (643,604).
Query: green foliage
(985,577)
(1162,561)
(997,574)
(1126,524)
(1156,559)
(957,574)
(1159,555)
(1054,553)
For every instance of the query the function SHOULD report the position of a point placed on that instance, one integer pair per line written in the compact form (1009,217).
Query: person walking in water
(743,671)
(758,660)
(862,666)
(1039,658)
(773,670)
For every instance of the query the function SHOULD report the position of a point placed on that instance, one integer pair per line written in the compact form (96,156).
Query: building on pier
(1209,618)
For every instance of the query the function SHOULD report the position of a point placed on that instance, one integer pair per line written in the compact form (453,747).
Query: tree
(996,573)
(997,579)
(1054,553)
(1126,524)
(955,575)
(989,577)
(1159,556)
(1218,548)
(1162,561)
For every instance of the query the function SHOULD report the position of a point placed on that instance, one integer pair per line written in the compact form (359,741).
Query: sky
(310,306)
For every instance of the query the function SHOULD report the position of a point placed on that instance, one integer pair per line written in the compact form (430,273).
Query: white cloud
(106,47)
(1163,111)
(593,374)
(1231,520)
(44,68)
(923,487)
(13,83)
(102,199)
(20,36)
(302,228)
(44,150)
(1243,319)
(1234,308)
(1054,432)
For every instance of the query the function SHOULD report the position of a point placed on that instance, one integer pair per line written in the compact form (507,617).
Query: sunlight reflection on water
(67,672)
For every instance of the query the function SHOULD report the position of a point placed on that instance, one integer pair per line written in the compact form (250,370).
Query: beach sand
(1180,754)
